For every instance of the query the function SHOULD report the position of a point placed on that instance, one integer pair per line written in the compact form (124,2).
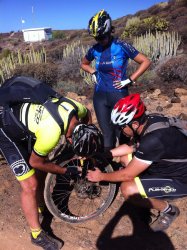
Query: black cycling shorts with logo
(17,156)
(160,187)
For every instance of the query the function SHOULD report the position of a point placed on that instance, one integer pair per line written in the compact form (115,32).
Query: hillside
(64,71)
(174,11)
(121,226)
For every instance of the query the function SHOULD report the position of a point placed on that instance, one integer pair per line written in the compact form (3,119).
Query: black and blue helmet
(87,140)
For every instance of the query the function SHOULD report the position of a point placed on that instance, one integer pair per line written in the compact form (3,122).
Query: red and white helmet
(127,109)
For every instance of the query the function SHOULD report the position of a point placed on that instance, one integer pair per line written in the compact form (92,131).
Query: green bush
(5,53)
(135,26)
(132,26)
(58,34)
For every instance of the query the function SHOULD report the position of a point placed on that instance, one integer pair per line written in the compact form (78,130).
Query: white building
(37,34)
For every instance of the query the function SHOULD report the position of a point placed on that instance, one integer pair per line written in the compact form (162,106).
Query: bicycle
(74,199)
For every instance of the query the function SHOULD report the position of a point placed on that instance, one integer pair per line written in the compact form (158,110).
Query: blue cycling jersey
(111,63)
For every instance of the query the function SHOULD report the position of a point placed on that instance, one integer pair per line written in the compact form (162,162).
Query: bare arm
(87,119)
(85,65)
(122,150)
(134,168)
(144,64)
(43,164)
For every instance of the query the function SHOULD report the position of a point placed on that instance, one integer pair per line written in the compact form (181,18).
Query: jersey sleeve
(150,149)
(82,110)
(46,139)
(90,55)
(129,50)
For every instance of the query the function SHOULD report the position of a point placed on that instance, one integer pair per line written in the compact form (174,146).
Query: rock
(180,91)
(170,105)
(159,109)
(155,94)
(175,100)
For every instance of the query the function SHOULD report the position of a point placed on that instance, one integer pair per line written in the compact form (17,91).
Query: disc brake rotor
(85,189)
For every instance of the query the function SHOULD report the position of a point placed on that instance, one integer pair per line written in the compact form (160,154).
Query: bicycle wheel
(75,199)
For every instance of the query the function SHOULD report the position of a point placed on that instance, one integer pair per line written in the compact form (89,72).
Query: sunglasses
(101,38)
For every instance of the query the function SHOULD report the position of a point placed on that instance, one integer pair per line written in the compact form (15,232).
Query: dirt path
(119,228)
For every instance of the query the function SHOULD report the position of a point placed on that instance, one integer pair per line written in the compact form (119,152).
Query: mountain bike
(74,199)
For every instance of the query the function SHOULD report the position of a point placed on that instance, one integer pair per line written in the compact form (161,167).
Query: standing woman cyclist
(111,82)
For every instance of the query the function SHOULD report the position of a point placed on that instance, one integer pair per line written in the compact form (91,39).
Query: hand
(106,154)
(94,176)
(123,84)
(72,171)
(94,77)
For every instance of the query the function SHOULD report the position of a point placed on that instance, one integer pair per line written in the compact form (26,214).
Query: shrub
(55,53)
(156,23)
(58,34)
(174,69)
(5,53)
(46,72)
(132,26)
(135,26)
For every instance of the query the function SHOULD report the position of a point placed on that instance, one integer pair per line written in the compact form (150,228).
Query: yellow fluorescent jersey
(41,123)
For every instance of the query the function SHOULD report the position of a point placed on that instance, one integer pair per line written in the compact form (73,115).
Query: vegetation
(47,72)
(159,45)
(9,63)
(5,53)
(135,26)
(159,32)
(174,69)
(58,34)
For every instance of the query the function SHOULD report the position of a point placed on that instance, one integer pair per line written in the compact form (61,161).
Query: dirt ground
(120,227)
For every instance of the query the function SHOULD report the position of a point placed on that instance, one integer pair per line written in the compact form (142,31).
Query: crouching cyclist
(29,168)
(158,168)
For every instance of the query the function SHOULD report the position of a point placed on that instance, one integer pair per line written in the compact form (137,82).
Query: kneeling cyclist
(158,168)
(30,167)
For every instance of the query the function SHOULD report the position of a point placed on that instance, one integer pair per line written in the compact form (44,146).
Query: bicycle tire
(63,199)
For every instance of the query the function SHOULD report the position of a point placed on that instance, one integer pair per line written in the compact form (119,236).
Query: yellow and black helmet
(100,24)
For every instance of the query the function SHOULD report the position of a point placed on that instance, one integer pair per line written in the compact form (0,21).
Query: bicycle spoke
(78,200)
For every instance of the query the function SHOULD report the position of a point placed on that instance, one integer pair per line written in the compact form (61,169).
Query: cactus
(158,46)
(73,54)
(87,76)
(8,64)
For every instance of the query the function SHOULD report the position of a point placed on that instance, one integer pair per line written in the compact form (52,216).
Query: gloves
(106,154)
(94,77)
(123,84)
(72,171)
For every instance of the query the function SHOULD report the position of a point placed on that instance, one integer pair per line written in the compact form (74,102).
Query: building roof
(32,29)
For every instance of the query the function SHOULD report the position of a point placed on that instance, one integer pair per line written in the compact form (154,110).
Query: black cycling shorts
(17,156)
(160,187)
(103,105)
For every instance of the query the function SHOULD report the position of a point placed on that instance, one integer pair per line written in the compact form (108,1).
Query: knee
(128,189)
(29,185)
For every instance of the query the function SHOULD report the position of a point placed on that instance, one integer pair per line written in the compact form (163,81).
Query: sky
(16,15)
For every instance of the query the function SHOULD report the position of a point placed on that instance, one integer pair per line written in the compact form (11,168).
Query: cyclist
(158,168)
(110,77)
(30,168)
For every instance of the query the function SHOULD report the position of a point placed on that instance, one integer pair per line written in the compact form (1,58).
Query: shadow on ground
(143,238)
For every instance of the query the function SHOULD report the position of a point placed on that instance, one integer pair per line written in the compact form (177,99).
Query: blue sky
(62,14)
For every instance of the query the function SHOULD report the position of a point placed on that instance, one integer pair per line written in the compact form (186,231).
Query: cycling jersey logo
(38,114)
(166,189)
(19,167)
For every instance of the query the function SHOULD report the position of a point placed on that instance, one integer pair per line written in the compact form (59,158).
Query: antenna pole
(33,16)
